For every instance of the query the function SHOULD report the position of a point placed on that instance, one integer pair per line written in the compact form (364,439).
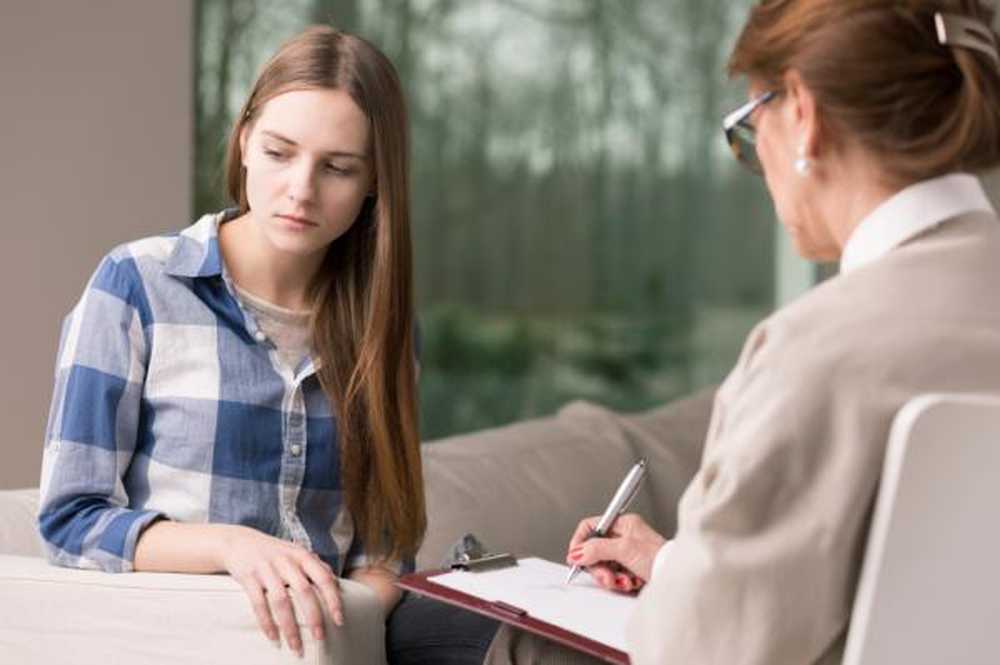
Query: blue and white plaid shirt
(170,402)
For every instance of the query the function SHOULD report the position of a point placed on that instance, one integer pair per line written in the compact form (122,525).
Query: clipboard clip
(470,554)
(484,562)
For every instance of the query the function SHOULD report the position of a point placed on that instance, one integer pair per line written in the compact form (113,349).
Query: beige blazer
(763,567)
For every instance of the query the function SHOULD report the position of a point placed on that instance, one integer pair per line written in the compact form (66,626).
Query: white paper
(539,587)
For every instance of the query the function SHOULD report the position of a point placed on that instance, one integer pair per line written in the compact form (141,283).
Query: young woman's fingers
(280,602)
(261,610)
(327,585)
(307,603)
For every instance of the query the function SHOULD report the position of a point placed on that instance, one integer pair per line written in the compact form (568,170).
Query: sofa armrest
(523,488)
(19,522)
(50,615)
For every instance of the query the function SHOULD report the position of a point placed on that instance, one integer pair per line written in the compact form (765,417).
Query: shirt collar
(196,253)
(910,212)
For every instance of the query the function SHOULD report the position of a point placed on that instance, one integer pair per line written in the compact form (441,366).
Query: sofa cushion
(18,523)
(524,487)
(670,437)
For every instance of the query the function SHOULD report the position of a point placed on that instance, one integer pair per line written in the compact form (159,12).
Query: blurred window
(580,228)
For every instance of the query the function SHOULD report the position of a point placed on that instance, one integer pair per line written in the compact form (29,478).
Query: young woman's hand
(624,560)
(268,569)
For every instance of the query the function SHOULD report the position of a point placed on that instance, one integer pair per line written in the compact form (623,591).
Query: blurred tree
(213,113)
(342,14)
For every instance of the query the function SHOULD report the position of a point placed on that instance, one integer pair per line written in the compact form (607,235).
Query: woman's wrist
(225,543)
(175,547)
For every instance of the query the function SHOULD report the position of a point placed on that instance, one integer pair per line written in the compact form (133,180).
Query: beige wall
(95,127)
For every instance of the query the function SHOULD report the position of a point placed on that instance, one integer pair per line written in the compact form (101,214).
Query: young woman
(241,397)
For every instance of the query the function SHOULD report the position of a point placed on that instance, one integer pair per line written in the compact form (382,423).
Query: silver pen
(619,504)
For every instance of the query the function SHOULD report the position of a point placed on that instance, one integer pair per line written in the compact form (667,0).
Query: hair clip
(966,32)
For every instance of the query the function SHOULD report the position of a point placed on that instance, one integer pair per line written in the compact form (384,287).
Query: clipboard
(422,583)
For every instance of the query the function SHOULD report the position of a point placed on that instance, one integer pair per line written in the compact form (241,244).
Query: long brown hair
(363,304)
(881,77)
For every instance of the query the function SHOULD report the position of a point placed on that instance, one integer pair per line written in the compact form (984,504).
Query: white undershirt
(288,329)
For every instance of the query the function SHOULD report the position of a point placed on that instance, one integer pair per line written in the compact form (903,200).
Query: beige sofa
(519,488)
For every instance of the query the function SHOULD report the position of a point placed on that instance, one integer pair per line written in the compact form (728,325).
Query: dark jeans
(422,631)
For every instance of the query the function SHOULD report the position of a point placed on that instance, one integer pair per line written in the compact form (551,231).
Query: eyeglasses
(741,135)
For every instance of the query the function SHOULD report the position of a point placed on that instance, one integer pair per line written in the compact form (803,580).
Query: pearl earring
(802,163)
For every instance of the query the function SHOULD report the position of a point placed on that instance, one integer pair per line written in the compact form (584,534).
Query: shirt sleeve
(762,567)
(84,517)
(659,561)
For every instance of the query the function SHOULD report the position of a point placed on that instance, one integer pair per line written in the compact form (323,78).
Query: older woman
(865,118)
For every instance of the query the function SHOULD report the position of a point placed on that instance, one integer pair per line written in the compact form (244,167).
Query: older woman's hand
(622,561)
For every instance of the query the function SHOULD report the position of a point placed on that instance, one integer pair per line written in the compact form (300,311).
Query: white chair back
(929,591)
